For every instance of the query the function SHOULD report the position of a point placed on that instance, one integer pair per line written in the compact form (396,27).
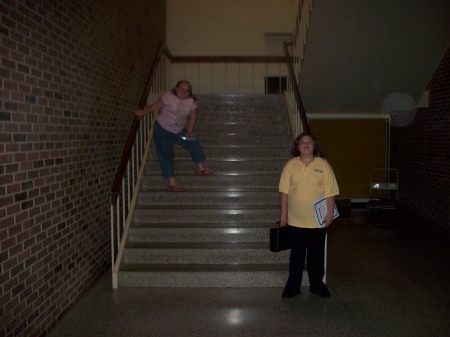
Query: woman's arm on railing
(155,106)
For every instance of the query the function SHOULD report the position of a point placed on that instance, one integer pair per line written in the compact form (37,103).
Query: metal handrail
(296,90)
(296,110)
(129,143)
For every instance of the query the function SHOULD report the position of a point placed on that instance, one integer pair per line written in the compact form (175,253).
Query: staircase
(216,234)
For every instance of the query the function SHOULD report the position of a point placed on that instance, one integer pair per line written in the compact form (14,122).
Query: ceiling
(358,52)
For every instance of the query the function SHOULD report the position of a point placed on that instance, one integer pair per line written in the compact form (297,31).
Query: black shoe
(287,294)
(321,293)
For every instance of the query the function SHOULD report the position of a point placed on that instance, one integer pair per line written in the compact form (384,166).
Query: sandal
(205,172)
(175,188)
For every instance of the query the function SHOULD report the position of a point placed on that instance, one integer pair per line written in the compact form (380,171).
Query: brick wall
(421,152)
(72,73)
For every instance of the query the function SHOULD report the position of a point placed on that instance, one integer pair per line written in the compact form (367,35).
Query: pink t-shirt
(175,111)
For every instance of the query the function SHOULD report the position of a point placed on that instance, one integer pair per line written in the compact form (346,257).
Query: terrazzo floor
(384,281)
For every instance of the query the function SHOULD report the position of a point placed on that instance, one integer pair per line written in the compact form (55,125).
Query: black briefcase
(279,238)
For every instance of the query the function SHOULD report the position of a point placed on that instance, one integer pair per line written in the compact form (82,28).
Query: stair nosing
(197,245)
(218,173)
(209,206)
(202,267)
(206,225)
(215,189)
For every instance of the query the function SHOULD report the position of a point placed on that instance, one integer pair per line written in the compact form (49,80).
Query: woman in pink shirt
(175,108)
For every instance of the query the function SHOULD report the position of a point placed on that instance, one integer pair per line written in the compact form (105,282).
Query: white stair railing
(124,196)
(297,53)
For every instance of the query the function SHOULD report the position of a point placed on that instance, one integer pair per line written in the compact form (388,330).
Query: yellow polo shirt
(304,186)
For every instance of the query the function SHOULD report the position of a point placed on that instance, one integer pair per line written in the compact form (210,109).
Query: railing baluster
(123,189)
(128,183)
(113,257)
(118,221)
(124,204)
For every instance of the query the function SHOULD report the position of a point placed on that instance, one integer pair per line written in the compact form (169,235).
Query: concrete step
(207,275)
(207,232)
(186,166)
(202,197)
(240,100)
(215,127)
(250,109)
(203,253)
(234,153)
(260,214)
(254,116)
(248,139)
(264,181)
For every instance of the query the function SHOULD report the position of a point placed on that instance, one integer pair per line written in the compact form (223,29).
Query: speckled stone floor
(384,281)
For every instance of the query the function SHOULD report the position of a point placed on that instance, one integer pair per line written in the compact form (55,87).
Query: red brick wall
(421,152)
(72,73)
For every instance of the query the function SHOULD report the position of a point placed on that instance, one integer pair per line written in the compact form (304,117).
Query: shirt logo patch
(318,170)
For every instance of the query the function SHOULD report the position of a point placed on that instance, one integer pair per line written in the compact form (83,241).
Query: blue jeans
(164,141)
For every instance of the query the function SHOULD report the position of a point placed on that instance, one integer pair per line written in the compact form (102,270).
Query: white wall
(225,27)
(227,78)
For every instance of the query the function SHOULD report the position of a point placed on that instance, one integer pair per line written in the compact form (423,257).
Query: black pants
(309,243)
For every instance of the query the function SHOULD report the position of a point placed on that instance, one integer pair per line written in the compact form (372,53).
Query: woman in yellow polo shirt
(305,179)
